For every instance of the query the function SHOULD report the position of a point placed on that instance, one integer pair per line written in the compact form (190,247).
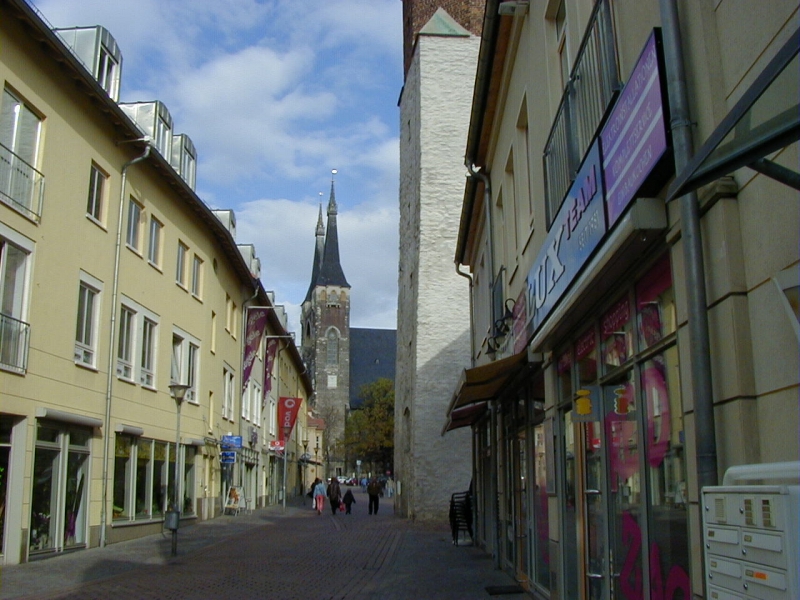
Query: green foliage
(369,431)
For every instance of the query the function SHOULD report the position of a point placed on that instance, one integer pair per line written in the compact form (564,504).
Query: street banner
(287,415)
(256,323)
(269,360)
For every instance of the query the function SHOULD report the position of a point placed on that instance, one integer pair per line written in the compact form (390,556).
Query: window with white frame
(15,251)
(180,267)
(20,130)
(97,186)
(185,365)
(154,245)
(89,290)
(255,398)
(228,379)
(108,73)
(272,416)
(125,344)
(163,139)
(133,238)
(246,399)
(136,341)
(147,364)
(197,276)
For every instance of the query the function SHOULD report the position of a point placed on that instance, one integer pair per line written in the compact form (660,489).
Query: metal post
(287,433)
(175,502)
(691,237)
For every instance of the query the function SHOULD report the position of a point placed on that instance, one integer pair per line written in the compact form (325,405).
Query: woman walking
(334,495)
(319,495)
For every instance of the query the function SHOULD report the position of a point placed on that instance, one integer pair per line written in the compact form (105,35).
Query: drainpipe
(691,234)
(110,376)
(487,206)
(468,277)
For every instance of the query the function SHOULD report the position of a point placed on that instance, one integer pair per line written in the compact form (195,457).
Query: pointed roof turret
(331,271)
(319,249)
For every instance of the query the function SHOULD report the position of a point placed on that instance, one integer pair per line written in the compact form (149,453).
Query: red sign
(276,446)
(287,415)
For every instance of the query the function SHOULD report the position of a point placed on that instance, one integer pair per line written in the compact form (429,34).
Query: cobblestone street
(269,554)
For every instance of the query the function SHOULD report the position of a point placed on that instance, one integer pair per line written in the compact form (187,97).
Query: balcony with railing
(593,81)
(14,340)
(21,185)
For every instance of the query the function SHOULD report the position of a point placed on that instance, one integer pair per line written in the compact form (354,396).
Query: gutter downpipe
(110,376)
(468,277)
(487,203)
(691,234)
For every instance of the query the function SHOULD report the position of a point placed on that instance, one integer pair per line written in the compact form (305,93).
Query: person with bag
(319,495)
(334,494)
(374,491)
(349,499)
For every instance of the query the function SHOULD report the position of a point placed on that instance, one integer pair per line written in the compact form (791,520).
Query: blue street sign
(232,441)
(227,458)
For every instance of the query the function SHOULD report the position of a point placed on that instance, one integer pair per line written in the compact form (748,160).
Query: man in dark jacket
(374,491)
(334,495)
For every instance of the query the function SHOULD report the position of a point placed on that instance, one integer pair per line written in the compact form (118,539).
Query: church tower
(325,319)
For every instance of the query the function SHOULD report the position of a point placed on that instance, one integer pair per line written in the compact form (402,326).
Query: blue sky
(275,94)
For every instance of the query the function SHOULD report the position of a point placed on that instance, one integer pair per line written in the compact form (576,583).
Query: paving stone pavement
(271,554)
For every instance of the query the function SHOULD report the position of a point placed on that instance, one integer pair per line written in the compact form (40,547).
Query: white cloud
(275,93)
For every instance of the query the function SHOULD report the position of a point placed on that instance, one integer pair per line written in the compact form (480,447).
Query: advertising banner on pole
(287,415)
(269,360)
(256,323)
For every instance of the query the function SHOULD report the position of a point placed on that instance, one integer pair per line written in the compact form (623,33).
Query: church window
(333,347)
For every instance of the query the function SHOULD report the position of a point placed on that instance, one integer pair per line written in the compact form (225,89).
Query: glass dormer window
(107,72)
(163,136)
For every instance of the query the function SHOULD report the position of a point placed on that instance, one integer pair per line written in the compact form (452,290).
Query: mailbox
(750,538)
(172,520)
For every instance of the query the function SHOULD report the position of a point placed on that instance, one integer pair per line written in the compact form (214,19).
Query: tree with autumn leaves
(369,430)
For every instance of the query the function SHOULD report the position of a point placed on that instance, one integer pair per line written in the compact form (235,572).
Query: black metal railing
(593,81)
(14,340)
(21,185)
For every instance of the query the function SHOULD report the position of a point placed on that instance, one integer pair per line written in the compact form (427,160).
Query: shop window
(634,436)
(59,498)
(144,478)
(616,335)
(6,425)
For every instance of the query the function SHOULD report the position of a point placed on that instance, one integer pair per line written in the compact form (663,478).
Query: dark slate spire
(331,271)
(318,252)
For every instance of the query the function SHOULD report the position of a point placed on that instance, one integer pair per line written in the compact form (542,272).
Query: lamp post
(287,431)
(305,465)
(316,459)
(178,392)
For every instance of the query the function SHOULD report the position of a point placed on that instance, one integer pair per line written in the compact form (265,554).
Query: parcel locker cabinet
(750,535)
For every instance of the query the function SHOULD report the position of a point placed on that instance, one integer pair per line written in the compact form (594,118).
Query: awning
(764,120)
(483,383)
(465,416)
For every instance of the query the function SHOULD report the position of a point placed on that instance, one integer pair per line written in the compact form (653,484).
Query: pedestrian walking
(334,495)
(319,495)
(374,491)
(349,499)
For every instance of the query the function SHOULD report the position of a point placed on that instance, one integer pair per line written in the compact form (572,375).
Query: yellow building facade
(117,282)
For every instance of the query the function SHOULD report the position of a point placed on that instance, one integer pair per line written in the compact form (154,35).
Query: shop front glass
(631,476)
(59,494)
(5,454)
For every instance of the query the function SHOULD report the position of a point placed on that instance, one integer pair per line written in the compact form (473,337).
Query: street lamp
(305,465)
(287,431)
(178,392)
(316,459)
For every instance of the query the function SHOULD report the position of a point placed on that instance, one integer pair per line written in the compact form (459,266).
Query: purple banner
(576,231)
(256,323)
(634,138)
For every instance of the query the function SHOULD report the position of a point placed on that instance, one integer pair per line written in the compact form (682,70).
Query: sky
(275,94)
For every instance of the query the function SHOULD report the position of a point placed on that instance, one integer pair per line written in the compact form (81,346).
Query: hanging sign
(256,322)
(287,415)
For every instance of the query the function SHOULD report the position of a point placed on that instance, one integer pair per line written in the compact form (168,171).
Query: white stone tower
(433,323)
